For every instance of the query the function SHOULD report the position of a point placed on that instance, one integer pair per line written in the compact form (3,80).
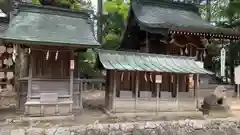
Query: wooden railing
(79,86)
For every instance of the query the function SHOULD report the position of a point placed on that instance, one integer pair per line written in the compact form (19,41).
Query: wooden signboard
(237,74)
(158,79)
(237,78)
(72,64)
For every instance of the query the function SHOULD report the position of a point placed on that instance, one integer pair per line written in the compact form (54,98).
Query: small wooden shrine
(161,52)
(45,38)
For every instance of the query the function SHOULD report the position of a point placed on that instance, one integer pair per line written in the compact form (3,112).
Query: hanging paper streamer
(197,54)
(14,57)
(122,76)
(151,77)
(181,51)
(145,77)
(9,62)
(13,51)
(29,50)
(172,41)
(172,78)
(47,55)
(186,50)
(204,54)
(56,56)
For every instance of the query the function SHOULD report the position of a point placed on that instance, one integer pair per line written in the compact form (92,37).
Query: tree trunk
(208,10)
(99,21)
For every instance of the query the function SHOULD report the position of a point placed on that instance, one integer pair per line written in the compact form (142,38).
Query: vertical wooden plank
(158,90)
(196,93)
(107,88)
(177,91)
(114,90)
(71,73)
(81,95)
(77,90)
(136,90)
(31,56)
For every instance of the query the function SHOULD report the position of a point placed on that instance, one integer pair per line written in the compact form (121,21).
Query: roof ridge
(40,8)
(141,53)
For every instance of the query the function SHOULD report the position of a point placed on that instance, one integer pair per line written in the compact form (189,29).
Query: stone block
(35,131)
(62,131)
(34,110)
(64,109)
(49,110)
(18,132)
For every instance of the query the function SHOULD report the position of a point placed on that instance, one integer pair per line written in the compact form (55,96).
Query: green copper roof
(50,26)
(152,16)
(134,61)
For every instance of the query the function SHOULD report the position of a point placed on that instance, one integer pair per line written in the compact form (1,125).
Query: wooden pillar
(30,70)
(196,87)
(81,95)
(136,90)
(114,90)
(107,89)
(71,74)
(177,91)
(158,90)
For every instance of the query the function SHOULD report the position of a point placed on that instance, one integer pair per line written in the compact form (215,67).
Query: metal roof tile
(119,60)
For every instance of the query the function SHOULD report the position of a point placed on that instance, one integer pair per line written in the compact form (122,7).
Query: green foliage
(87,62)
(35,2)
(74,5)
(65,2)
(113,22)
(225,14)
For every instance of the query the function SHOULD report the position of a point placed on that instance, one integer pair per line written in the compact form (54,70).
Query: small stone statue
(217,98)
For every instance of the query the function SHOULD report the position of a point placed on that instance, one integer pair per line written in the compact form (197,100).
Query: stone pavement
(183,127)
